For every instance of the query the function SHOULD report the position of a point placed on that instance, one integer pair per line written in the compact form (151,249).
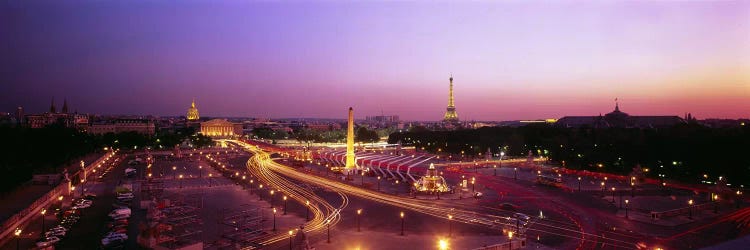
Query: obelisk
(350,164)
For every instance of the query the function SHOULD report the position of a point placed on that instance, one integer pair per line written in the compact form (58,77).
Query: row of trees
(29,151)
(685,152)
(361,134)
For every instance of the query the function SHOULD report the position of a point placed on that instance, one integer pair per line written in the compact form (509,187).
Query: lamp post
(284,204)
(690,209)
(307,214)
(210,176)
(260,192)
(510,240)
(602,184)
(450,225)
(174,172)
(44,211)
(200,171)
(251,186)
(515,173)
(402,223)
(180,181)
(613,194)
(378,183)
(359,212)
(290,239)
(17,233)
(626,208)
(362,180)
(579,184)
(274,219)
(494,169)
(632,188)
(472,185)
(328,229)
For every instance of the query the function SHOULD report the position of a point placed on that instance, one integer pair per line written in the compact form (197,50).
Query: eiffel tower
(450,114)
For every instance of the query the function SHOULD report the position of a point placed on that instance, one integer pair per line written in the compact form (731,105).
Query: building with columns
(221,128)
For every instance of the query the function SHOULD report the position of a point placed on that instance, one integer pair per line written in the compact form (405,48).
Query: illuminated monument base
(431,182)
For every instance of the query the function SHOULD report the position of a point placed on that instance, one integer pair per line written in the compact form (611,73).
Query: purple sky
(510,60)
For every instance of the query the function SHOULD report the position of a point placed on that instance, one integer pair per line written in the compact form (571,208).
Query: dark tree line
(29,151)
(684,152)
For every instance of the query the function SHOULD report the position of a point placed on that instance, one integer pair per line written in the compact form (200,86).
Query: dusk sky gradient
(510,60)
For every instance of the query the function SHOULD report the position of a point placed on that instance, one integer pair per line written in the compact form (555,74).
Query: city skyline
(510,60)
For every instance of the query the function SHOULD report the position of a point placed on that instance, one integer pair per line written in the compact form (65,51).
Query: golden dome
(192,114)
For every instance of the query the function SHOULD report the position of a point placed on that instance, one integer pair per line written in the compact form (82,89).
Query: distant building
(383,119)
(141,126)
(65,119)
(619,119)
(221,128)
(192,114)
(19,115)
(323,126)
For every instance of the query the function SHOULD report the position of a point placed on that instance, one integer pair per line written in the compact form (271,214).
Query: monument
(351,164)
(450,114)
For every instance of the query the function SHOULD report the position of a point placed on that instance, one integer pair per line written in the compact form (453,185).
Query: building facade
(619,119)
(221,128)
(141,126)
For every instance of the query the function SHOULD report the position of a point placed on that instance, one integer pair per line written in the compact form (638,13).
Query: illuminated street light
(44,211)
(402,223)
(17,233)
(515,173)
(716,203)
(378,183)
(690,208)
(180,181)
(443,244)
(579,184)
(307,214)
(359,213)
(510,238)
(328,229)
(626,208)
(284,204)
(450,225)
(274,219)
(290,239)
(613,194)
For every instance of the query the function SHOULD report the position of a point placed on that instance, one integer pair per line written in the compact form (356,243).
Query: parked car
(47,241)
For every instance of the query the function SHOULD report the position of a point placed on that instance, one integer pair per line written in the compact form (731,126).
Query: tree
(365,135)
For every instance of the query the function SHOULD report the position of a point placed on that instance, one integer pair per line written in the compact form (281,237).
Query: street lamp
(690,209)
(402,223)
(510,238)
(626,208)
(200,171)
(290,239)
(515,173)
(328,229)
(494,169)
(260,192)
(378,183)
(362,181)
(307,214)
(180,181)
(602,184)
(274,219)
(359,212)
(210,176)
(472,185)
(17,233)
(579,184)
(284,204)
(443,244)
(174,172)
(613,194)
(44,211)
(450,225)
